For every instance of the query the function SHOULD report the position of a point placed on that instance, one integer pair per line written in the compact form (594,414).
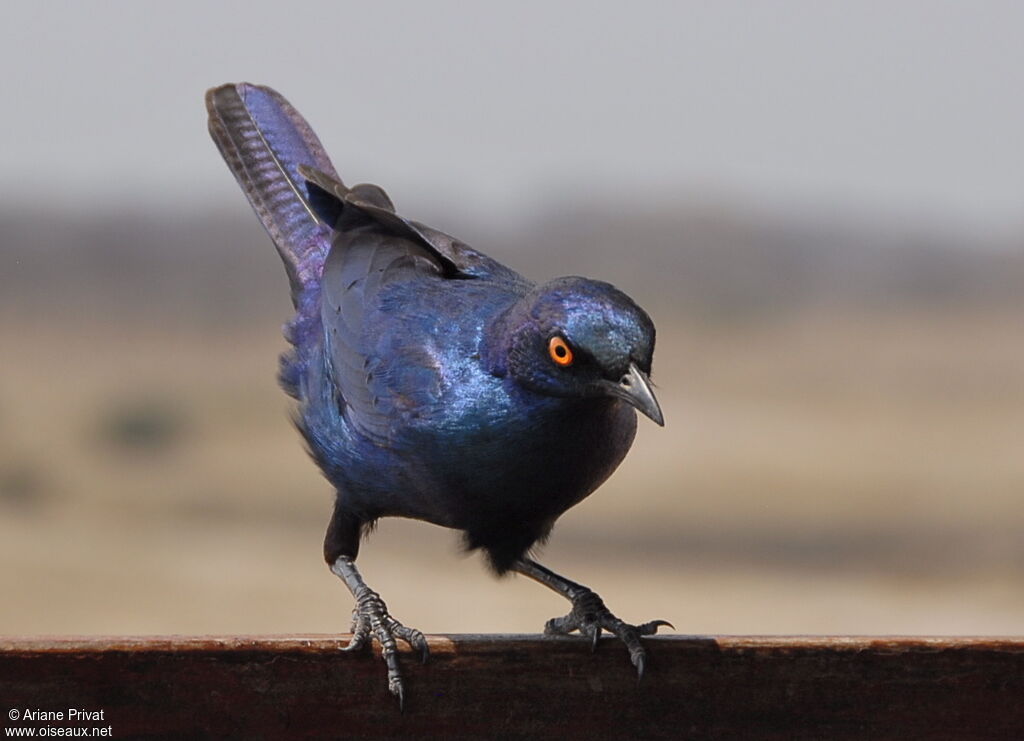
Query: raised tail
(264,140)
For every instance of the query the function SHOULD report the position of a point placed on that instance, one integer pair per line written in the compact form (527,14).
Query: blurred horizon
(834,393)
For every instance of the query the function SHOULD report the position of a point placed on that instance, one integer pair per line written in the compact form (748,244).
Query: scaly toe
(560,626)
(360,632)
(413,637)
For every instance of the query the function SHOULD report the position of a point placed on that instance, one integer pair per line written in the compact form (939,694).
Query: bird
(431,381)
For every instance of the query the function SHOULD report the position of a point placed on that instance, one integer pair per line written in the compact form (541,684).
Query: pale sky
(896,107)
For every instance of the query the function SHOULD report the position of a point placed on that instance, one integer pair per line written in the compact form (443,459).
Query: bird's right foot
(371,620)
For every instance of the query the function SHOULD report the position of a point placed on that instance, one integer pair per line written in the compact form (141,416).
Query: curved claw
(399,691)
(357,641)
(639,662)
(649,629)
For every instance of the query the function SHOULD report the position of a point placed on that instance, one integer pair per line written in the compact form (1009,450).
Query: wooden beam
(495,686)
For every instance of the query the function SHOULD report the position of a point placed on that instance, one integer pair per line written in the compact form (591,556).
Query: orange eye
(559,351)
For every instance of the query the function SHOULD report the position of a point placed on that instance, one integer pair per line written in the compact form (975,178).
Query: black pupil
(560,351)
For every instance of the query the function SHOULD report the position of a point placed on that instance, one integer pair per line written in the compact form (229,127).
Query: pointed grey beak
(635,389)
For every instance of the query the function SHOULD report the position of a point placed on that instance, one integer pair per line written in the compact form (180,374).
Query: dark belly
(507,492)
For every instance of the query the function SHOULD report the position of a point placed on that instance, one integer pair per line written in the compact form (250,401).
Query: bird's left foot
(590,617)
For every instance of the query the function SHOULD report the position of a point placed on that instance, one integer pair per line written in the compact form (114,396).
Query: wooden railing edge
(527,686)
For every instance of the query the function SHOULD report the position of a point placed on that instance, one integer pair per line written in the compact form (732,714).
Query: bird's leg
(588,614)
(370,619)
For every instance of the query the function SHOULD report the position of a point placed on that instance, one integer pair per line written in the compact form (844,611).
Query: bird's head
(576,337)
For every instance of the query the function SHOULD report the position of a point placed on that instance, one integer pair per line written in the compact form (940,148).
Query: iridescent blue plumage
(434,382)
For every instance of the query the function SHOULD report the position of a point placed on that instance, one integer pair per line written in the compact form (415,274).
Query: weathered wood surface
(490,686)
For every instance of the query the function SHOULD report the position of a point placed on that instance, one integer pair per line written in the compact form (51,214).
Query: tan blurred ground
(827,471)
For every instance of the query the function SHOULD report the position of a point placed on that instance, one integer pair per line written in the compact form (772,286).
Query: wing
(264,140)
(388,291)
(344,208)
(380,365)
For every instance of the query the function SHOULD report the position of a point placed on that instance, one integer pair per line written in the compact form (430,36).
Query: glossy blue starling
(433,382)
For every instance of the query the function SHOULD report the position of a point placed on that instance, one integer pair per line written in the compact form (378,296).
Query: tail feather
(264,140)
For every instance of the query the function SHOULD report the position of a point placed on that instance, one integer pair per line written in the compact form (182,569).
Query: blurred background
(819,203)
